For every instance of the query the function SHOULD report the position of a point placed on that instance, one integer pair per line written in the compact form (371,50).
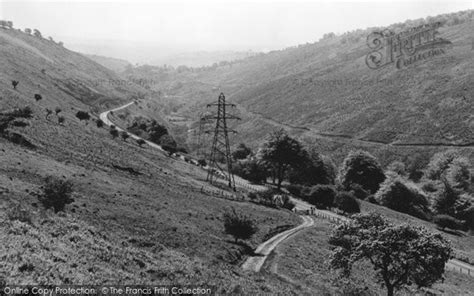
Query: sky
(137,29)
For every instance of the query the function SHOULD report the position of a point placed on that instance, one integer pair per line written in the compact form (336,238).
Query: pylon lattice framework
(220,160)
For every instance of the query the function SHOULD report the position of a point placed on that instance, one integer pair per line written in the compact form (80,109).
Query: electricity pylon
(220,160)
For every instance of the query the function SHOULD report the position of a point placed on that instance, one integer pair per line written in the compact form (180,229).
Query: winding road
(254,263)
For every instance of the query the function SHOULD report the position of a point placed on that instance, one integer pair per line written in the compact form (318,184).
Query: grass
(303,262)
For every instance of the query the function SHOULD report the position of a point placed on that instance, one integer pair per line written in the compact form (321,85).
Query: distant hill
(116,65)
(201,58)
(324,91)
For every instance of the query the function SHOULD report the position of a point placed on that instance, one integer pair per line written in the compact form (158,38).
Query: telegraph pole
(220,160)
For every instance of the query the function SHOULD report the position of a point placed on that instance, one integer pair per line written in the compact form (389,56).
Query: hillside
(137,216)
(116,65)
(324,92)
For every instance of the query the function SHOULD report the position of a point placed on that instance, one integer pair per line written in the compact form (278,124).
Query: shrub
(322,196)
(125,135)
(403,196)
(241,152)
(238,225)
(83,115)
(346,202)
(38,97)
(445,221)
(202,162)
(99,123)
(361,168)
(61,119)
(114,132)
(168,144)
(140,142)
(56,193)
(315,169)
(445,200)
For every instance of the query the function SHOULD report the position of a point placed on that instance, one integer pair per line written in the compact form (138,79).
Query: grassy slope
(303,262)
(152,228)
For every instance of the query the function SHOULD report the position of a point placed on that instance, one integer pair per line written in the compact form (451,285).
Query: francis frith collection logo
(406,47)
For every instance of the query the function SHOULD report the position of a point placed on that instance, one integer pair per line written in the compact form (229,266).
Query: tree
(346,202)
(56,193)
(37,33)
(83,115)
(238,225)
(361,168)
(439,163)
(445,201)
(38,97)
(400,254)
(10,24)
(241,152)
(156,131)
(168,144)
(28,31)
(322,196)
(99,123)
(57,110)
(15,83)
(125,136)
(315,169)
(281,152)
(403,196)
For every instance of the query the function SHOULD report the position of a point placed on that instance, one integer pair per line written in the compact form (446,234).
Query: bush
(458,174)
(202,162)
(83,115)
(322,196)
(361,168)
(125,135)
(445,221)
(397,167)
(403,196)
(295,189)
(287,203)
(99,123)
(113,132)
(25,112)
(238,225)
(346,202)
(56,193)
(141,142)
(61,119)
(439,163)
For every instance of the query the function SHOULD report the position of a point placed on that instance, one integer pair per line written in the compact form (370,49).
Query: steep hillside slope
(137,216)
